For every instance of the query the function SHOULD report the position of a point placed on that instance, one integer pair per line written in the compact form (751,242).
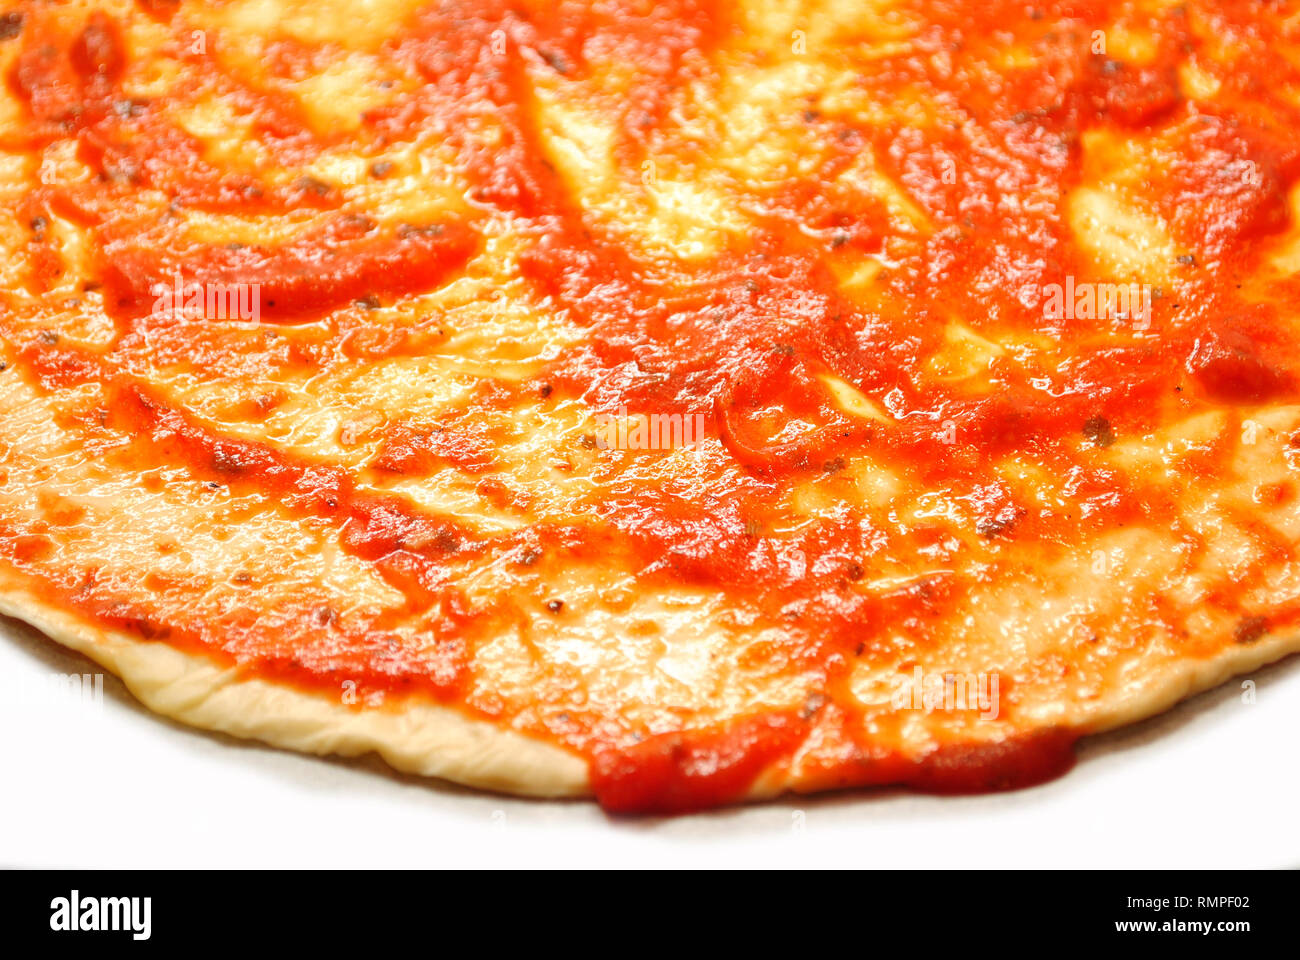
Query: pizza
(673,403)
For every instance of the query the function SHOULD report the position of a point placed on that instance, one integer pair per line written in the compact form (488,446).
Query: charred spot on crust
(1097,429)
(11,24)
(324,616)
(556,62)
(312,185)
(1250,629)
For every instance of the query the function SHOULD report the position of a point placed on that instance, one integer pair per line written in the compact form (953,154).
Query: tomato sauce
(746,335)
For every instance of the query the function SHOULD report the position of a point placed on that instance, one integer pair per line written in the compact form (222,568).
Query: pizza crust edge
(430,740)
(425,739)
(1184,679)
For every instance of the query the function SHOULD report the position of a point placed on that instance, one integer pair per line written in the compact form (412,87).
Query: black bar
(927,909)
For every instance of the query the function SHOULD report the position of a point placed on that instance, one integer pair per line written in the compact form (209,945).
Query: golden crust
(412,737)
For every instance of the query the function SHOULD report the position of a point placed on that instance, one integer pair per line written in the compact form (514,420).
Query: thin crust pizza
(670,402)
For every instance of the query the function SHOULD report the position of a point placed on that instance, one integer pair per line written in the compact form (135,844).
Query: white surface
(1211,784)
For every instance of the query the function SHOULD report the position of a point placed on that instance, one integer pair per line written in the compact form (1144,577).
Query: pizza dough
(673,403)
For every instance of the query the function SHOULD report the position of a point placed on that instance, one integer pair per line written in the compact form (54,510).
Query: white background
(1213,783)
